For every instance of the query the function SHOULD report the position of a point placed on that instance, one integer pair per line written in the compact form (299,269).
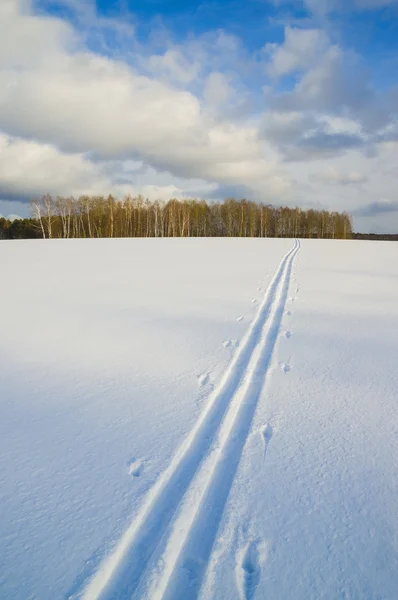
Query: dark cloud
(7,193)
(287,131)
(376,208)
(305,138)
(233,191)
(324,141)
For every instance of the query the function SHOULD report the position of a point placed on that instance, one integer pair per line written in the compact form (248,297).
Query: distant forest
(387,237)
(99,217)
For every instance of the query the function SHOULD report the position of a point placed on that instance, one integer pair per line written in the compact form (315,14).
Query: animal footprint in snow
(288,334)
(227,343)
(135,467)
(285,367)
(288,313)
(240,318)
(259,289)
(203,379)
(248,569)
(266,434)
(254,300)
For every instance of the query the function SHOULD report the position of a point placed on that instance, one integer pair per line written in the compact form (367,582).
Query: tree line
(97,217)
(386,237)
(18,229)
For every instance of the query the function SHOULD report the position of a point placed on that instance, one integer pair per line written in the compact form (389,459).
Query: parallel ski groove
(120,574)
(188,552)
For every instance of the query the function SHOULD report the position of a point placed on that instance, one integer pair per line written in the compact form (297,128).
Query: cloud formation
(377,208)
(83,110)
(299,51)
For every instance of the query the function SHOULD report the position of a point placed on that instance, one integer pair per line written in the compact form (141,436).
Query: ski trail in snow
(227,417)
(190,543)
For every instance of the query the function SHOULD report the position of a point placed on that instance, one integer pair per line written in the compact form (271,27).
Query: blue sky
(371,33)
(284,102)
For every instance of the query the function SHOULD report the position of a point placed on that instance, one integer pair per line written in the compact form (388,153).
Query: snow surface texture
(212,419)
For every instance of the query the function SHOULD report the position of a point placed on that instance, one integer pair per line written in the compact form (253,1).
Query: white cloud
(87,103)
(341,125)
(334,176)
(173,65)
(217,89)
(28,168)
(336,85)
(300,50)
(26,40)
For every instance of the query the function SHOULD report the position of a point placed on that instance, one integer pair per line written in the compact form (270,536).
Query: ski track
(212,466)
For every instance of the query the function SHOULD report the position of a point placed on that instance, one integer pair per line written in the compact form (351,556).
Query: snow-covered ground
(212,419)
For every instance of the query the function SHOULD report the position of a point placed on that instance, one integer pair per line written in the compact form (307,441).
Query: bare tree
(48,206)
(134,217)
(37,215)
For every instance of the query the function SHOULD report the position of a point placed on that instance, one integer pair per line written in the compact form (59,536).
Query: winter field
(199,418)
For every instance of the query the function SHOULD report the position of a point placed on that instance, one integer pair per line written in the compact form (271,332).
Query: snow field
(199,419)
